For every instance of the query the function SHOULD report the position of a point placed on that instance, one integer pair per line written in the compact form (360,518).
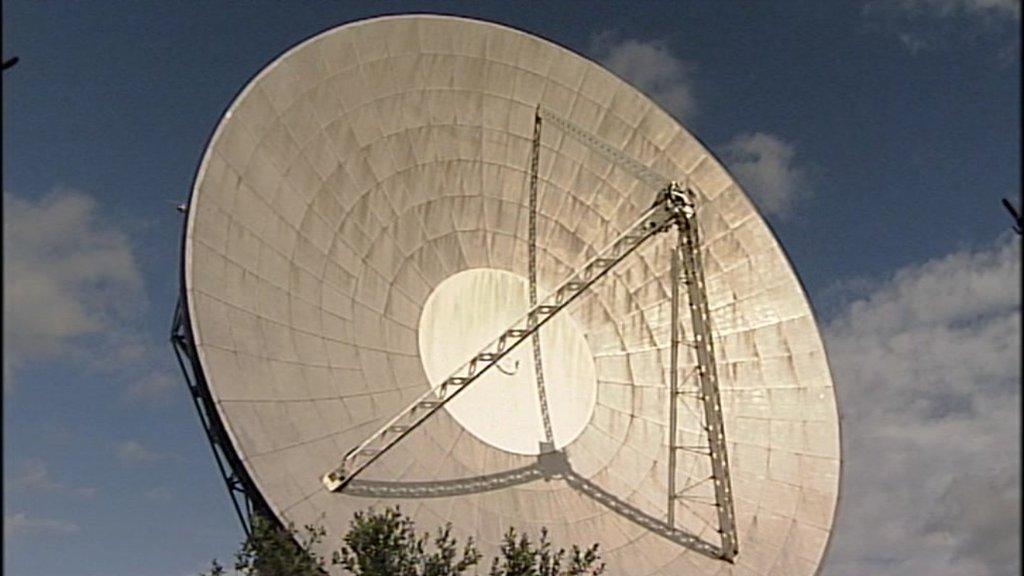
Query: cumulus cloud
(21,523)
(133,452)
(154,387)
(651,67)
(765,163)
(927,25)
(35,476)
(73,290)
(912,43)
(160,494)
(927,367)
(947,8)
(973,515)
(766,167)
(67,273)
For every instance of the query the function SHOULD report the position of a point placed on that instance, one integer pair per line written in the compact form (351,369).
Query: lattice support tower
(538,364)
(688,270)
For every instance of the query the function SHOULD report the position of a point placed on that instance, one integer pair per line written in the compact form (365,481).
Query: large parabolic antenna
(441,263)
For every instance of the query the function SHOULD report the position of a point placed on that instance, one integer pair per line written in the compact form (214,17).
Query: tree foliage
(520,557)
(386,543)
(274,551)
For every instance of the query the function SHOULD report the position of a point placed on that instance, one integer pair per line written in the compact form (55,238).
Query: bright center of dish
(464,314)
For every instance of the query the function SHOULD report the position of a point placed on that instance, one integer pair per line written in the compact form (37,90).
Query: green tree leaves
(520,557)
(385,543)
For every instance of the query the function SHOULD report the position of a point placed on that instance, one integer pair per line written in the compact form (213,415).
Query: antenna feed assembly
(674,204)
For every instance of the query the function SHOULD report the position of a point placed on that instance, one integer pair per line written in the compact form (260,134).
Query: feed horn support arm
(688,270)
(659,218)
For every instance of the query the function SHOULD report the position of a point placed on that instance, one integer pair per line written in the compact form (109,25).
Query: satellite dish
(396,206)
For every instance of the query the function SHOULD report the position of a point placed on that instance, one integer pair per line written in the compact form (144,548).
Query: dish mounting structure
(675,208)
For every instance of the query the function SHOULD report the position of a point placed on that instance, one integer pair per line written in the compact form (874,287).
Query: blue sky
(877,137)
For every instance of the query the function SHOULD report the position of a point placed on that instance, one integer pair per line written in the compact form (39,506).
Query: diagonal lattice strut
(688,263)
(648,176)
(538,364)
(658,218)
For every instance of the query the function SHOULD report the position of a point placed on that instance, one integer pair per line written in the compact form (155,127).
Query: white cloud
(68,274)
(651,67)
(927,368)
(36,476)
(912,42)
(765,166)
(973,514)
(947,8)
(133,451)
(160,494)
(928,25)
(73,291)
(20,523)
(155,387)
(764,163)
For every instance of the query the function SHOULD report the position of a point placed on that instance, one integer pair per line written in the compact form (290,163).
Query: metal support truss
(673,397)
(658,218)
(648,176)
(538,365)
(688,263)
(674,207)
(244,496)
